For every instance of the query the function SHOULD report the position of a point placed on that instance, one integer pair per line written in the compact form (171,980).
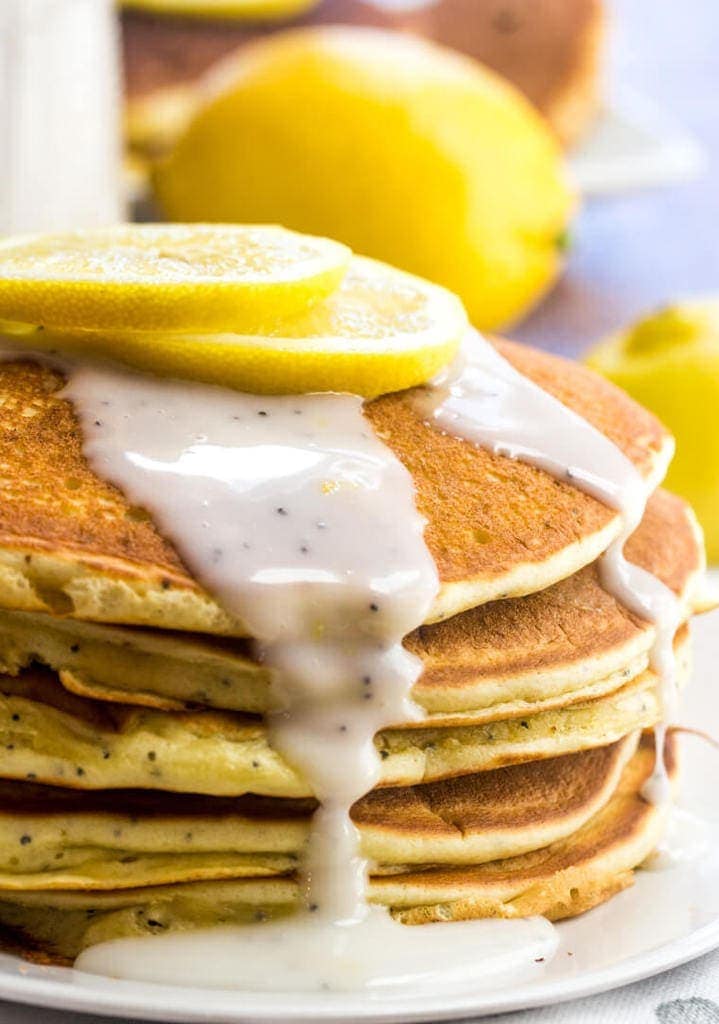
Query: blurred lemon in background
(405,151)
(261,10)
(669,361)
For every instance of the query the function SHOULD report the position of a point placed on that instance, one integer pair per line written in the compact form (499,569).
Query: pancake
(570,642)
(49,735)
(61,839)
(550,51)
(477,818)
(71,545)
(559,881)
(508,658)
(411,757)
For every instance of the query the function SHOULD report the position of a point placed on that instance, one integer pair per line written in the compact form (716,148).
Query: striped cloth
(686,995)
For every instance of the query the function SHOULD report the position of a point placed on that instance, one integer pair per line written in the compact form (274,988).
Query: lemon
(166,277)
(406,151)
(669,361)
(153,121)
(382,330)
(250,10)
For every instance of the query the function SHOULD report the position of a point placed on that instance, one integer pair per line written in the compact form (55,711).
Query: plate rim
(65,989)
(125,997)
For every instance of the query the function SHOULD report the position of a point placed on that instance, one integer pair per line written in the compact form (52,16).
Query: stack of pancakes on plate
(550,50)
(139,791)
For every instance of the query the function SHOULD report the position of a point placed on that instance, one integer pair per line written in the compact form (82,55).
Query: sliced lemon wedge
(382,330)
(166,277)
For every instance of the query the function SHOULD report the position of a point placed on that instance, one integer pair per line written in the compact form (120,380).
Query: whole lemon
(669,361)
(405,151)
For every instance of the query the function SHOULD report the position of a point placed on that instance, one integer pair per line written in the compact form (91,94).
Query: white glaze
(688,838)
(377,956)
(483,399)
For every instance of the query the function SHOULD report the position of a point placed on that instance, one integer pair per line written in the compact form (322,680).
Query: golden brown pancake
(491,518)
(560,880)
(414,756)
(60,839)
(71,544)
(564,644)
(52,736)
(508,658)
(477,818)
(549,50)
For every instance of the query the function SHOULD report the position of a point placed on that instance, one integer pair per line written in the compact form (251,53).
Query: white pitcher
(60,135)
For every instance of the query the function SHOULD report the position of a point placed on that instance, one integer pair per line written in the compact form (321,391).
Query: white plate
(668,917)
(634,144)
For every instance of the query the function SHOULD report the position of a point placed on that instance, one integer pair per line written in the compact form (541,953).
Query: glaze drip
(302,523)
(483,399)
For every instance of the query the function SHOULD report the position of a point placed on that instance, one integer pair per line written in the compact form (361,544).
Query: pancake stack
(140,793)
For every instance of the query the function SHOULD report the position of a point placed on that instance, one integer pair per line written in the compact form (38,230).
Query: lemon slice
(250,10)
(166,277)
(364,116)
(382,330)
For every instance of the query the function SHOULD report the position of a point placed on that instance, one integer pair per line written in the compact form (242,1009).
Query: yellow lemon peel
(382,330)
(241,10)
(166,277)
(408,152)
